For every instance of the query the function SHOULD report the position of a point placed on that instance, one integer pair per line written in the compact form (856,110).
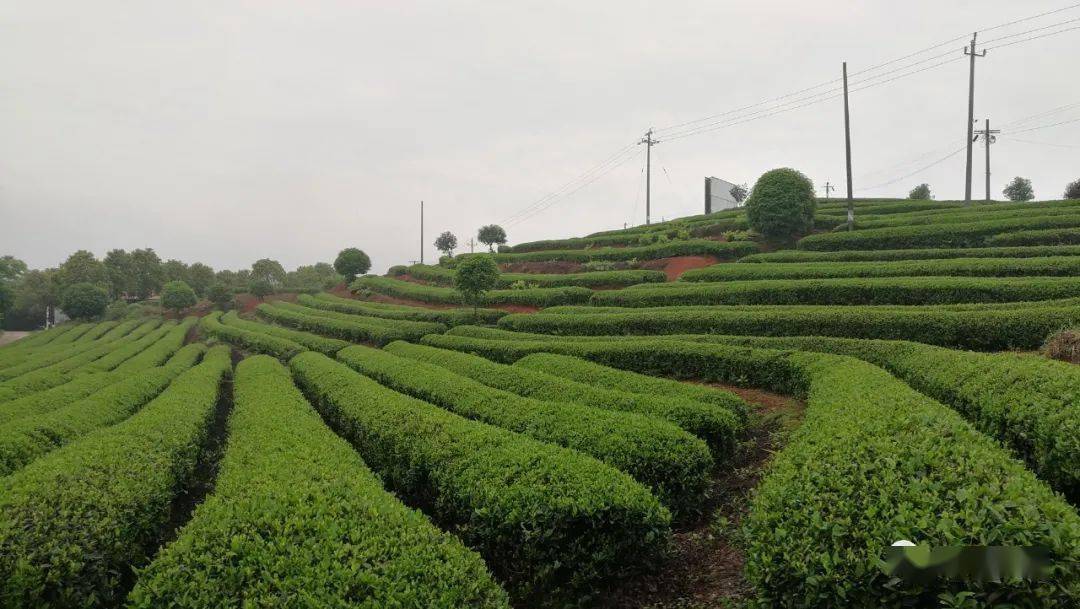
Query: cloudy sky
(224,131)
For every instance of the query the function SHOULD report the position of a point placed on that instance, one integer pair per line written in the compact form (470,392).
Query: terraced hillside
(673,415)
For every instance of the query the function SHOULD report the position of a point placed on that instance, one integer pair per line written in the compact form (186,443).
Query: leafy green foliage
(221,295)
(84,301)
(874,461)
(598,279)
(915,254)
(921,193)
(490,235)
(261,288)
(259,342)
(446,243)
(717,427)
(449,317)
(674,464)
(345,326)
(313,278)
(177,295)
(474,277)
(886,290)
(267,270)
(1060,266)
(329,346)
(1048,237)
(296,514)
(692,247)
(539,297)
(74,522)
(552,524)
(1019,190)
(781,206)
(200,277)
(351,262)
(1072,190)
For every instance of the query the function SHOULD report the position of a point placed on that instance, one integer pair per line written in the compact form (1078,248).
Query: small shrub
(177,295)
(921,193)
(781,207)
(1072,190)
(84,301)
(1065,346)
(1019,190)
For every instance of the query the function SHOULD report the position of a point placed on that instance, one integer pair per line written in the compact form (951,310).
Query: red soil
(675,266)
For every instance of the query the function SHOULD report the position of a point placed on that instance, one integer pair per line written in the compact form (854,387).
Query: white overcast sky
(225,131)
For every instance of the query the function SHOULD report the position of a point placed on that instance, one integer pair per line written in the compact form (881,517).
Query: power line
(1009,44)
(1014,139)
(1072,120)
(1038,29)
(1043,114)
(920,170)
(1053,12)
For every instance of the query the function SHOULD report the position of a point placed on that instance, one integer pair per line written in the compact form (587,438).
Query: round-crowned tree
(220,294)
(84,301)
(177,295)
(474,276)
(446,243)
(351,262)
(1072,191)
(1019,190)
(491,235)
(261,288)
(921,193)
(781,206)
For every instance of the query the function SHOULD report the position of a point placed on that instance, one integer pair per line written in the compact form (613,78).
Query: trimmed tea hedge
(552,524)
(449,317)
(537,297)
(438,275)
(1030,403)
(356,328)
(73,523)
(329,346)
(69,337)
(718,427)
(1058,266)
(1046,237)
(48,356)
(985,330)
(873,462)
(972,234)
(150,350)
(259,342)
(296,518)
(847,291)
(1000,211)
(689,247)
(915,254)
(31,436)
(673,463)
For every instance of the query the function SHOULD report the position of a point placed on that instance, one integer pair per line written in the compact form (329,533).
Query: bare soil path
(11,336)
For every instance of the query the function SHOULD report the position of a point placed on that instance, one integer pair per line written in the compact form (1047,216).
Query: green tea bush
(717,426)
(449,317)
(259,342)
(1049,237)
(846,291)
(445,277)
(691,247)
(970,234)
(295,514)
(74,522)
(980,213)
(354,328)
(984,330)
(539,297)
(874,461)
(553,524)
(32,436)
(781,206)
(329,346)
(1029,403)
(674,464)
(914,254)
(148,352)
(1062,266)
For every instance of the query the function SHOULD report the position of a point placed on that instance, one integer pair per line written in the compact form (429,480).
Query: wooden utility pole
(649,142)
(847,146)
(988,138)
(421,232)
(970,51)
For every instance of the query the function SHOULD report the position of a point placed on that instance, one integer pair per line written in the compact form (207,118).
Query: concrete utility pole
(421,232)
(847,146)
(649,142)
(988,138)
(828,188)
(970,51)
(472,245)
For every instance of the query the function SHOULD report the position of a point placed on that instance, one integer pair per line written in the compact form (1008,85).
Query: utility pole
(828,188)
(970,51)
(649,142)
(988,138)
(472,245)
(421,232)
(847,146)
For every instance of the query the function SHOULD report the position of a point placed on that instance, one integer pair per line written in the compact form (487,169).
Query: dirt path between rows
(12,336)
(706,568)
